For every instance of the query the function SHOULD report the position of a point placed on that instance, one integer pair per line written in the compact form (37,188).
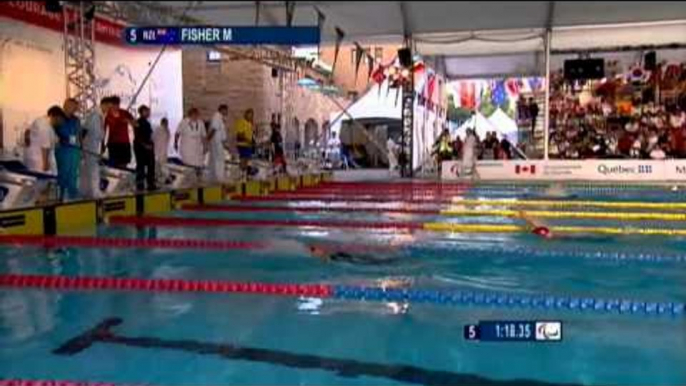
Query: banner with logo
(34,12)
(561,170)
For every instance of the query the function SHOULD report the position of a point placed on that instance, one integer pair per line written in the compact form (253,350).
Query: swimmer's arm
(530,221)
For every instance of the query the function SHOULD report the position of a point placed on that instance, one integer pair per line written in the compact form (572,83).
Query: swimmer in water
(346,257)
(297,248)
(557,190)
(541,229)
(536,227)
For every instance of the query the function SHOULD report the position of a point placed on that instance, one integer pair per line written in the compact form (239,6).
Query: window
(378,53)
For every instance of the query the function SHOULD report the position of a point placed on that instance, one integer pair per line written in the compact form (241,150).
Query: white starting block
(20,187)
(116,181)
(180,175)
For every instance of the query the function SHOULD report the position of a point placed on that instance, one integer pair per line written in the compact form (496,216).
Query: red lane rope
(420,184)
(308,209)
(334,198)
(28,382)
(101,242)
(202,222)
(162,285)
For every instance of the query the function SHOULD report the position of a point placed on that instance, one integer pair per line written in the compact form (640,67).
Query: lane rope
(306,209)
(628,216)
(30,382)
(151,221)
(506,228)
(569,203)
(201,222)
(360,293)
(102,242)
(329,198)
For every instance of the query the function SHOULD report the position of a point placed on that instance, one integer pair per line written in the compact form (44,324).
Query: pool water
(222,339)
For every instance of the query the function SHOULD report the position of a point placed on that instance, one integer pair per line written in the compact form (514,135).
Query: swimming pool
(189,338)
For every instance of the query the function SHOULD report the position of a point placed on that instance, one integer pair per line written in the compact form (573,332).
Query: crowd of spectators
(490,148)
(619,117)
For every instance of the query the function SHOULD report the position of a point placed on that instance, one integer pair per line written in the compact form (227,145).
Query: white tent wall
(32,77)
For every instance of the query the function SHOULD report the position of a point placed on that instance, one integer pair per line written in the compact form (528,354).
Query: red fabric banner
(34,12)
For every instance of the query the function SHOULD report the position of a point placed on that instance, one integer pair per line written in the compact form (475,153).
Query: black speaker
(53,6)
(581,69)
(650,61)
(275,72)
(405,57)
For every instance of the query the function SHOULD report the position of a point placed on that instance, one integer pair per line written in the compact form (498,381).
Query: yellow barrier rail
(493,228)
(629,216)
(570,204)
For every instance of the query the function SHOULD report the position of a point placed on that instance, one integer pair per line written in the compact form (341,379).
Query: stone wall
(243,84)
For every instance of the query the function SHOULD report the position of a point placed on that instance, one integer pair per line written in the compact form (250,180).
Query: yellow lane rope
(493,228)
(629,216)
(570,204)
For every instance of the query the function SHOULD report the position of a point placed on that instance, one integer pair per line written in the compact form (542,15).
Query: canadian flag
(525,169)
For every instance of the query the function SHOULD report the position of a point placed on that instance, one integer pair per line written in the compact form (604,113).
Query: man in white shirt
(190,139)
(38,155)
(217,143)
(92,139)
(161,137)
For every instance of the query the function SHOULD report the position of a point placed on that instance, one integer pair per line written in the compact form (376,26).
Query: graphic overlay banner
(199,35)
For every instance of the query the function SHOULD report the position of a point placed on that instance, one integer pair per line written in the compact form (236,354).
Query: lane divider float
(629,216)
(359,293)
(570,203)
(30,382)
(202,222)
(102,242)
(152,221)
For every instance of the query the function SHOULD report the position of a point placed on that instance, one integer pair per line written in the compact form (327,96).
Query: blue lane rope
(511,301)
(644,257)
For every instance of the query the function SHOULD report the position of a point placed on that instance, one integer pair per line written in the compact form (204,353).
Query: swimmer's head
(542,232)
(318,252)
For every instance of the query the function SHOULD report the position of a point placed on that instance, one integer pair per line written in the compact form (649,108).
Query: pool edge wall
(84,216)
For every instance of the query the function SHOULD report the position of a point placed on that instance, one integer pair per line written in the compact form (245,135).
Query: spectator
(504,150)
(41,140)
(161,137)
(117,132)
(68,152)
(457,148)
(144,150)
(244,138)
(276,141)
(533,114)
(190,139)
(469,150)
(93,137)
(216,139)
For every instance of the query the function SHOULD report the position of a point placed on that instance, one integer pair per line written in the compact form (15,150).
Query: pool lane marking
(153,221)
(111,242)
(358,293)
(348,368)
(569,203)
(458,201)
(629,216)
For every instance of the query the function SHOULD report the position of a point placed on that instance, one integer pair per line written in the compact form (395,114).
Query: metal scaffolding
(79,54)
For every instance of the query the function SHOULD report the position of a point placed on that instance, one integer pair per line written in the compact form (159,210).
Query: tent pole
(546,107)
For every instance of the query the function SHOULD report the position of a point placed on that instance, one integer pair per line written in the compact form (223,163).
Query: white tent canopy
(479,123)
(377,21)
(378,102)
(504,125)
